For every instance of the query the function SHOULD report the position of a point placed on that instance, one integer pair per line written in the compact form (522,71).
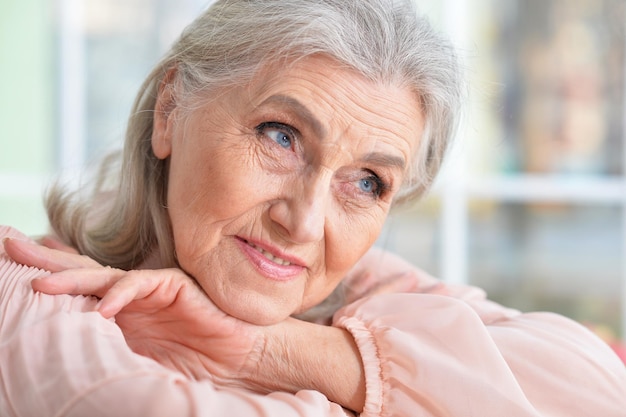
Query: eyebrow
(384,159)
(302,110)
(376,158)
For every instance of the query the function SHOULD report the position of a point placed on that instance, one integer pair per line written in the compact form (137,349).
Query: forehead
(339,101)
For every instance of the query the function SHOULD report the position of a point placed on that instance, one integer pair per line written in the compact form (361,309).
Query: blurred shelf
(548,188)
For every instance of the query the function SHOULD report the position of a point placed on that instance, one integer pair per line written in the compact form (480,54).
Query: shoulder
(44,337)
(380,271)
(14,278)
(18,302)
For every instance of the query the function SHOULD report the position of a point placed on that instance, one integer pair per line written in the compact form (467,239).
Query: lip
(267,267)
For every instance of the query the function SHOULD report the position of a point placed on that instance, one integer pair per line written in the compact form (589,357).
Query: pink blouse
(433,350)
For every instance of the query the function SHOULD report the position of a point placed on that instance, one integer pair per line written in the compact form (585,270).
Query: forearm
(299,355)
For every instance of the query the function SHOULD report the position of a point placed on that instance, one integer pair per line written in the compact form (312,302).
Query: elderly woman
(232,247)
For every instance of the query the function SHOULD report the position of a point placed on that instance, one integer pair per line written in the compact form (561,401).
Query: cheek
(213,180)
(346,241)
(215,197)
(350,239)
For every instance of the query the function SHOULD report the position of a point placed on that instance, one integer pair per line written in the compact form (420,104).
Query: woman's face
(276,188)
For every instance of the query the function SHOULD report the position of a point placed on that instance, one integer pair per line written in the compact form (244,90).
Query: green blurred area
(27,110)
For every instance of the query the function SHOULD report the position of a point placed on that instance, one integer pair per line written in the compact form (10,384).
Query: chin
(261,320)
(259,316)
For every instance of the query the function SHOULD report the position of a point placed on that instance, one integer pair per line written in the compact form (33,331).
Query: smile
(268,264)
(270,256)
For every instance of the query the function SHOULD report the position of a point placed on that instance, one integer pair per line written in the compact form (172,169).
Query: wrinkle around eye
(272,157)
(353,198)
(364,213)
(282,131)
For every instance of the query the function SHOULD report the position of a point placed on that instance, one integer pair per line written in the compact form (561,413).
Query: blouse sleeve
(59,358)
(440,350)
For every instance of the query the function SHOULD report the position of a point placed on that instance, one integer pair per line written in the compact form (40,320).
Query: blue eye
(279,137)
(282,134)
(372,185)
(366,185)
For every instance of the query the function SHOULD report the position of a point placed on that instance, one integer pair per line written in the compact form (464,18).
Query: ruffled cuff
(371,363)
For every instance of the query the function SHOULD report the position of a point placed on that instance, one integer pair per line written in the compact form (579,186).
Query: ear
(164,117)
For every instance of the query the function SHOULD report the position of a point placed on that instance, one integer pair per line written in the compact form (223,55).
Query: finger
(55,243)
(82,281)
(157,289)
(31,254)
(133,286)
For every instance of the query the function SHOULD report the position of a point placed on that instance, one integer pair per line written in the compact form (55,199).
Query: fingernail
(14,239)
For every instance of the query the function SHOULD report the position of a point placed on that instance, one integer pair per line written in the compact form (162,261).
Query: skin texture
(302,162)
(165,316)
(276,189)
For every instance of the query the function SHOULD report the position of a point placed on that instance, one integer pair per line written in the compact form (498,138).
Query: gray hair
(385,40)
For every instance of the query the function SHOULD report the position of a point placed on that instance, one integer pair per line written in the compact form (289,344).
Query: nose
(301,213)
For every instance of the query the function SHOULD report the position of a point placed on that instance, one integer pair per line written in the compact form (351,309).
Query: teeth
(271,257)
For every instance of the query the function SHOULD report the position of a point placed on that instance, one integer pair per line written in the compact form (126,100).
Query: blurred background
(531,205)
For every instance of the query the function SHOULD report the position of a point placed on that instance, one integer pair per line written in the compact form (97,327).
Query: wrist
(297,355)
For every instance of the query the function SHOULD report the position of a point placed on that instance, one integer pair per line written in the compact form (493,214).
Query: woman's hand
(163,314)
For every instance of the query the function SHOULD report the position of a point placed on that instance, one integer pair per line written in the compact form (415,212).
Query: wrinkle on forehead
(302,111)
(340,102)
